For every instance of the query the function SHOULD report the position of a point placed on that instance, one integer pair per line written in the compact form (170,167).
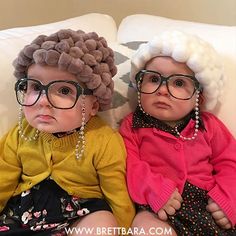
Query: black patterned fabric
(192,219)
(46,209)
(143,120)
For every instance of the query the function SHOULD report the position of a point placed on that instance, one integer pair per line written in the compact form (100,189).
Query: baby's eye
(65,90)
(179,83)
(33,87)
(155,79)
(36,87)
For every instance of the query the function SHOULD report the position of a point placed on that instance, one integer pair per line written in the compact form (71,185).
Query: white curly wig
(198,55)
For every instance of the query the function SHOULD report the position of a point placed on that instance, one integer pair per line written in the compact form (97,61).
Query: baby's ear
(95,106)
(201,99)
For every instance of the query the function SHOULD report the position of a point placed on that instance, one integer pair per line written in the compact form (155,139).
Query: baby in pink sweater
(181,160)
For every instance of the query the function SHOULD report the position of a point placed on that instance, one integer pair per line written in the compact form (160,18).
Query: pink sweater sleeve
(223,159)
(145,187)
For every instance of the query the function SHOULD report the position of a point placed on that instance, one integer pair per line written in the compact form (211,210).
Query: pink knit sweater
(158,162)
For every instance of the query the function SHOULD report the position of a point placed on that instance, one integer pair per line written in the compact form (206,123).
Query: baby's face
(43,116)
(161,104)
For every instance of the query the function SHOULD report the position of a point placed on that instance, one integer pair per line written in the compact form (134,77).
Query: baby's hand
(218,215)
(173,204)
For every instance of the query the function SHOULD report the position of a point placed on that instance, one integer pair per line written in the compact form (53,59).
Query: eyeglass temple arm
(86,91)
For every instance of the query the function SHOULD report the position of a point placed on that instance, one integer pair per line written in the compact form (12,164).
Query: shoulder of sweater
(207,114)
(97,129)
(128,118)
(213,123)
(209,117)
(99,126)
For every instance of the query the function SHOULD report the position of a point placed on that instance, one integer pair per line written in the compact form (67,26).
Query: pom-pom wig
(86,55)
(198,55)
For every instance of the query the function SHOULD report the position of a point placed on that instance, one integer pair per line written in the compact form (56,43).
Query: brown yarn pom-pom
(97,55)
(52,57)
(63,46)
(47,45)
(39,56)
(52,37)
(23,60)
(64,34)
(39,40)
(91,44)
(89,59)
(76,66)
(94,81)
(106,78)
(87,71)
(76,52)
(30,49)
(101,68)
(64,61)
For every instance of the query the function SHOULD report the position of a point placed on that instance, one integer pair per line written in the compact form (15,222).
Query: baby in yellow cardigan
(61,166)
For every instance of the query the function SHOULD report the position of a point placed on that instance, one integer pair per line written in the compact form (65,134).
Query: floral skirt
(192,219)
(46,209)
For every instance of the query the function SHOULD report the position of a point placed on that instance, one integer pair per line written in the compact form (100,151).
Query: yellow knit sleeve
(10,169)
(111,170)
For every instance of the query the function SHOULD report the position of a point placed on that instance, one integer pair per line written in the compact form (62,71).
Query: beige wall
(15,13)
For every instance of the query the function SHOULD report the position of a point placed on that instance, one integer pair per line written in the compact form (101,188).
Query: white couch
(124,40)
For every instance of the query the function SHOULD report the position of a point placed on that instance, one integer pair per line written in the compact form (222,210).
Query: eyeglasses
(179,86)
(61,94)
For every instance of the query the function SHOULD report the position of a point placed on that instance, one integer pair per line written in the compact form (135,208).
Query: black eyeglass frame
(80,91)
(139,75)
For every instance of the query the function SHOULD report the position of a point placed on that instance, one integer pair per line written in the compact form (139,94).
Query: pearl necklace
(21,132)
(196,121)
(79,152)
(196,129)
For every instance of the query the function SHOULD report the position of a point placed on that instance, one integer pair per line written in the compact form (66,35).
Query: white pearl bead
(196,122)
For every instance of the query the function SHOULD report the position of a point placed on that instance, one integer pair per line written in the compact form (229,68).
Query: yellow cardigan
(100,173)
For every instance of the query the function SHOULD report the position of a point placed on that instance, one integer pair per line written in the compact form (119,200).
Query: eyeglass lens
(60,94)
(179,86)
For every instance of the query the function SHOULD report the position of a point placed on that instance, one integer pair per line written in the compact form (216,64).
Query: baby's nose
(43,100)
(162,90)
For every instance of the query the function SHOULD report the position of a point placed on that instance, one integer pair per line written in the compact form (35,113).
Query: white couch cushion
(124,98)
(13,40)
(143,27)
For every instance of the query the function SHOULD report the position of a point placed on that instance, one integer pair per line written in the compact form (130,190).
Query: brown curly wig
(86,55)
